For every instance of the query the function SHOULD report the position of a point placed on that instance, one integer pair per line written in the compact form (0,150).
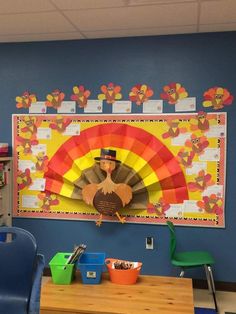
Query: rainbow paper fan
(144,167)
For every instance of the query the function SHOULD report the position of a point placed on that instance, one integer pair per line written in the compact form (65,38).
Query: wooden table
(151,294)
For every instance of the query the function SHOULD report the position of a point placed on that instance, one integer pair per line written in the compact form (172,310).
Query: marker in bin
(78,251)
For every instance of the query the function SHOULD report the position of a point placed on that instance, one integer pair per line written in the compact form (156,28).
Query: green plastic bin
(62,273)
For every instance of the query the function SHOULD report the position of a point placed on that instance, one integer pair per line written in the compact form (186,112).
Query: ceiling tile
(218,12)
(142,32)
(217,27)
(88,4)
(147,2)
(40,37)
(50,22)
(134,17)
(21,6)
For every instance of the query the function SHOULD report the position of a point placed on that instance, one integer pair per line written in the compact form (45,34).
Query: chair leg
(211,284)
(208,278)
(181,273)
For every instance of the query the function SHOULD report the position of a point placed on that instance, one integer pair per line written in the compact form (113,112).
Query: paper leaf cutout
(23,179)
(55,99)
(80,95)
(217,98)
(197,144)
(174,129)
(60,124)
(110,93)
(173,92)
(25,100)
(48,200)
(140,93)
(211,204)
(201,182)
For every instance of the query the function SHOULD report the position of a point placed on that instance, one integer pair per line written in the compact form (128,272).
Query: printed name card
(181,139)
(191,207)
(213,189)
(38,184)
(210,154)
(94,106)
(40,148)
(153,106)
(30,201)
(186,104)
(38,107)
(175,210)
(121,106)
(67,107)
(72,129)
(44,133)
(196,167)
(216,131)
(26,164)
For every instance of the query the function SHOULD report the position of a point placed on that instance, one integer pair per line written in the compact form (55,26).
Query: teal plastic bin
(91,266)
(62,273)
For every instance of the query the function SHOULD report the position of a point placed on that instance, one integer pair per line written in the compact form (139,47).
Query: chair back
(17,265)
(172,239)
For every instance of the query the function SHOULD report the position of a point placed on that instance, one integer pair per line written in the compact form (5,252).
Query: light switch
(149,243)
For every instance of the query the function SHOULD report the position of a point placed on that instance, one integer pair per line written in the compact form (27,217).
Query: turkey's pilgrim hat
(107,154)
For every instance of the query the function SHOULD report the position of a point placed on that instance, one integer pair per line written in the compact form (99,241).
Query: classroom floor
(202,298)
(226,301)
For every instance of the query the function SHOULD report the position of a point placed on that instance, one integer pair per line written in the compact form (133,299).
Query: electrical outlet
(149,243)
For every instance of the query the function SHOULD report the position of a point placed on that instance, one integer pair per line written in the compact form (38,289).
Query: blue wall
(197,61)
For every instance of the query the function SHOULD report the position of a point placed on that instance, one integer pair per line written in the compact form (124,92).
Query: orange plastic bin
(123,276)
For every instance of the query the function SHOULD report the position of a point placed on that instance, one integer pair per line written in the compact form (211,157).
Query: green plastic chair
(190,259)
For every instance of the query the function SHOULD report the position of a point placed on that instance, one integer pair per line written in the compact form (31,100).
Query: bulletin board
(173,164)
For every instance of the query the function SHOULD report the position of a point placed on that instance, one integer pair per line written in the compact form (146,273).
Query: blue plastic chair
(21,271)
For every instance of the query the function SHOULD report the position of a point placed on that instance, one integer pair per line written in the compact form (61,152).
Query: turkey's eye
(195,141)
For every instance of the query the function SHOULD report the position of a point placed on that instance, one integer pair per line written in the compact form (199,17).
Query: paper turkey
(133,169)
(107,196)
